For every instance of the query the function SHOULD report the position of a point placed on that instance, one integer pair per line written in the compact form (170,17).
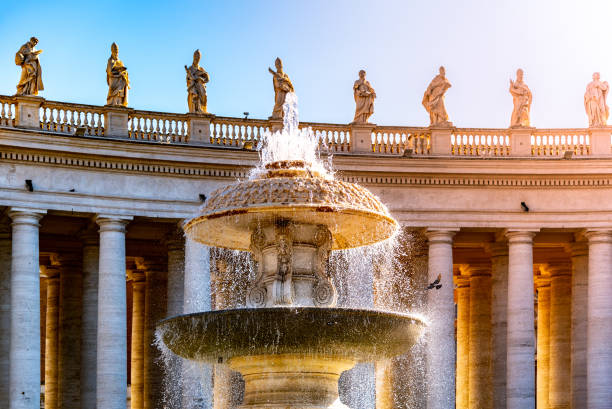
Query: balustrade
(158,127)
(7,111)
(395,140)
(66,118)
(555,142)
(88,120)
(480,142)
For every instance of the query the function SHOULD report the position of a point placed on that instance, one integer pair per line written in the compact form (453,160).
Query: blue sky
(323,44)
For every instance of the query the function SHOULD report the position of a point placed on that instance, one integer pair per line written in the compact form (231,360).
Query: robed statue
(197,78)
(595,102)
(433,99)
(31,75)
(117,79)
(282,85)
(521,98)
(364,99)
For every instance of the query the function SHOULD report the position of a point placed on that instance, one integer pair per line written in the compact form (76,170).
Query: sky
(323,45)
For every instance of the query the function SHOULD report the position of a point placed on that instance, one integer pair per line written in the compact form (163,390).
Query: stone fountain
(291,344)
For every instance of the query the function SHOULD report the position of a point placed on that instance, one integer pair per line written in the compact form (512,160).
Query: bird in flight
(436,283)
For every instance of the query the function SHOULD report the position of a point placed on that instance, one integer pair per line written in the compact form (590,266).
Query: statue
(282,85)
(364,99)
(433,99)
(197,78)
(521,97)
(31,75)
(595,102)
(117,79)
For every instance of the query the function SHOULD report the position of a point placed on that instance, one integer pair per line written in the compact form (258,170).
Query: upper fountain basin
(360,335)
(291,191)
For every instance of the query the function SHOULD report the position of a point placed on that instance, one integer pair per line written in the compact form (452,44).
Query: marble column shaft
(463,343)
(520,369)
(5,316)
(599,326)
(89,323)
(24,355)
(69,362)
(580,265)
(499,321)
(559,384)
(441,344)
(112,310)
(137,347)
(52,343)
(480,395)
(543,344)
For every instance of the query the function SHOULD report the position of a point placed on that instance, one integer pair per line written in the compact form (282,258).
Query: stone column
(543,343)
(580,266)
(197,379)
(89,323)
(441,339)
(155,310)
(599,321)
(480,394)
(69,364)
(559,384)
(137,347)
(112,310)
(499,323)
(5,317)
(24,355)
(52,340)
(520,381)
(463,342)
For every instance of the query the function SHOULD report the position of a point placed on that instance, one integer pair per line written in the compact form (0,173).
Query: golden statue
(117,79)
(364,99)
(31,75)
(433,99)
(282,85)
(521,97)
(595,101)
(197,78)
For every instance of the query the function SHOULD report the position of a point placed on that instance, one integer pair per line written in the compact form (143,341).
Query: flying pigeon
(436,283)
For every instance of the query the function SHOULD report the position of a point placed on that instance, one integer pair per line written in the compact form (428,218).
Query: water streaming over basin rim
(362,335)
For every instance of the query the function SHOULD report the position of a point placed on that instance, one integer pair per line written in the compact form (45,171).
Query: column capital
(441,235)
(112,222)
(598,236)
(175,239)
(21,215)
(498,248)
(579,248)
(521,236)
(542,282)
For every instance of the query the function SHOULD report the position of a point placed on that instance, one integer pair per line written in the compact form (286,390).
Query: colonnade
(496,350)
(490,362)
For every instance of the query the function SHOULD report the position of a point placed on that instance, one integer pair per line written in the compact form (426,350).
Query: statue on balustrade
(433,100)
(521,97)
(197,78)
(595,101)
(117,79)
(282,85)
(31,74)
(364,99)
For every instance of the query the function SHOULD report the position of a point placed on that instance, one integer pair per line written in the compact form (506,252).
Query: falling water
(390,275)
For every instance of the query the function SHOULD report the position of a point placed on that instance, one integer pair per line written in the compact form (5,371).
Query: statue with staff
(197,78)
(282,86)
(595,101)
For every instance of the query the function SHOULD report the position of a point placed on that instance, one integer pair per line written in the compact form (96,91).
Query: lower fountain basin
(359,335)
(290,357)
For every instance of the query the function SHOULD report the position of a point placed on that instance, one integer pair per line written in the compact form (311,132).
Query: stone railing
(158,127)
(72,118)
(210,130)
(480,142)
(7,111)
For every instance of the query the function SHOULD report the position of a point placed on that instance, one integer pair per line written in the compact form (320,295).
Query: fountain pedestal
(290,381)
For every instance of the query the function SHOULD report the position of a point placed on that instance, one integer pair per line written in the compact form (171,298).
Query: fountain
(291,344)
